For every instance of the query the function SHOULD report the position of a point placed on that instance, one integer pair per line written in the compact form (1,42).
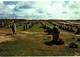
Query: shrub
(73,45)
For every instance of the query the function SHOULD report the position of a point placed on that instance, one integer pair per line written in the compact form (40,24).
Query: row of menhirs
(2,24)
(26,25)
(54,31)
(68,27)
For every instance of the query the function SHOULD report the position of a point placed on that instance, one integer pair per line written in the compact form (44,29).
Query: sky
(40,10)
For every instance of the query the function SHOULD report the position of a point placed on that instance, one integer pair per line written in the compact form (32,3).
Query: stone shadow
(50,43)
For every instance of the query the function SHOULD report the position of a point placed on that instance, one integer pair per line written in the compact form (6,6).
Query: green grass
(35,47)
(33,44)
(20,28)
(35,28)
(48,24)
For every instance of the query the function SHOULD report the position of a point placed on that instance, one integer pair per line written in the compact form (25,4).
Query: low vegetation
(31,42)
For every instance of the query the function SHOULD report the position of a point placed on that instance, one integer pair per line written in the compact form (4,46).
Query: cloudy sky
(40,9)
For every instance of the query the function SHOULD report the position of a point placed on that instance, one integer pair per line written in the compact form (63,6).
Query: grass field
(32,42)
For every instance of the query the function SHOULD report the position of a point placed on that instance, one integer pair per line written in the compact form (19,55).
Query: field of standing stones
(39,37)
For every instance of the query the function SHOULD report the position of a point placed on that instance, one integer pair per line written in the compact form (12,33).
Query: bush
(73,45)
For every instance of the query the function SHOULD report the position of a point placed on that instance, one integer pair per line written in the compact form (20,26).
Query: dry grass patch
(6,38)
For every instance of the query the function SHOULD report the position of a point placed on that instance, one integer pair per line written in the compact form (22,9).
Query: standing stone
(24,27)
(9,26)
(55,34)
(78,31)
(68,28)
(28,26)
(48,30)
(71,29)
(2,24)
(14,28)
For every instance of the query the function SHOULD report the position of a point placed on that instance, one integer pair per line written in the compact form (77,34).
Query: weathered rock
(78,31)
(55,34)
(24,27)
(28,26)
(71,29)
(9,26)
(48,30)
(14,28)
(2,24)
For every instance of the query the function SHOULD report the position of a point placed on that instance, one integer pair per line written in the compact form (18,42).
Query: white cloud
(6,10)
(46,9)
(11,6)
(1,4)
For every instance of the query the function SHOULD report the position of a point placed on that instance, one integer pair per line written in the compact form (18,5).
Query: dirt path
(5,38)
